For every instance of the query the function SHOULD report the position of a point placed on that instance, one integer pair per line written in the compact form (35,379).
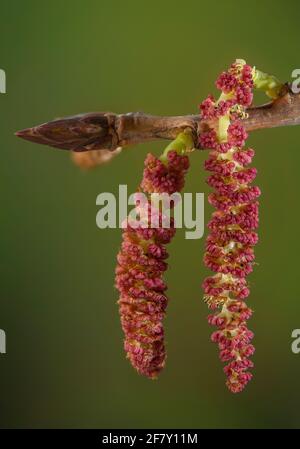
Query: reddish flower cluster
(140,269)
(164,178)
(229,247)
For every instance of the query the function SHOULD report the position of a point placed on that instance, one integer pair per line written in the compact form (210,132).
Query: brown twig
(108,131)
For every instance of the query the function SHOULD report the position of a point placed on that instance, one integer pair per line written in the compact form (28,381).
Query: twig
(108,131)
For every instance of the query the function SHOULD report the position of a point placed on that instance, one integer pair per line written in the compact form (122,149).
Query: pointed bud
(84,132)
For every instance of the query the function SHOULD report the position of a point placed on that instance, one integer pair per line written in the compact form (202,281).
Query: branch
(109,131)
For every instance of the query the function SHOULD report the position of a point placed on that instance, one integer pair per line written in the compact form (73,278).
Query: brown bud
(91,159)
(82,132)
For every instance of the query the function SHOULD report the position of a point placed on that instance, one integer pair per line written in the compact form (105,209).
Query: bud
(82,132)
(91,159)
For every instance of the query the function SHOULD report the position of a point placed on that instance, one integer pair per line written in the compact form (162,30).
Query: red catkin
(229,246)
(140,269)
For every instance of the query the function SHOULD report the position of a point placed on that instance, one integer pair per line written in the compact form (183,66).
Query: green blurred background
(65,365)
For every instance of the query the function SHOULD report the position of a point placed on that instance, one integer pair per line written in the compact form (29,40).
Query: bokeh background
(65,365)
